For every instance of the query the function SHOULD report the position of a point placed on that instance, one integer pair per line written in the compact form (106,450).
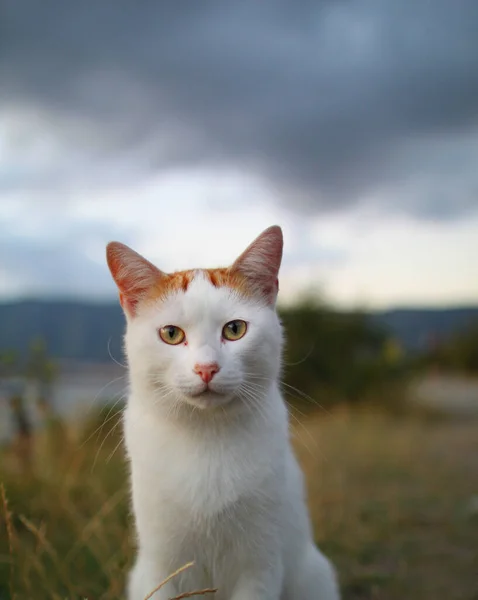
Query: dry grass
(185,594)
(390,499)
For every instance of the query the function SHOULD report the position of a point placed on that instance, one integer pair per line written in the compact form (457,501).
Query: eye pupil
(234,328)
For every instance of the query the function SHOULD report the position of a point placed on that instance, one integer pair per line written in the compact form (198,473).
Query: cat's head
(203,337)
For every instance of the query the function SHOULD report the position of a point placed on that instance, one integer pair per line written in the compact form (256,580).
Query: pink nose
(206,372)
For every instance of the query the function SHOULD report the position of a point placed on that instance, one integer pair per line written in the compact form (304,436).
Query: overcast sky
(185,128)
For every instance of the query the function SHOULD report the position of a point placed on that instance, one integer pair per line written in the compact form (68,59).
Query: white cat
(214,479)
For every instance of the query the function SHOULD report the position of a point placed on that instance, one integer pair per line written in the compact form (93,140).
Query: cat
(214,479)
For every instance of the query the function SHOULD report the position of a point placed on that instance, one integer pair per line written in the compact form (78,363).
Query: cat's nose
(206,372)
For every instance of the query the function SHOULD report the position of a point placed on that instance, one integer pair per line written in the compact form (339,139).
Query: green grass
(390,499)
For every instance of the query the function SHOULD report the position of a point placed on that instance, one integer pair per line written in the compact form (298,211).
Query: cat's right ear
(260,263)
(133,274)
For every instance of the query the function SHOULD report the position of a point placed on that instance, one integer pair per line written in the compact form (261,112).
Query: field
(394,501)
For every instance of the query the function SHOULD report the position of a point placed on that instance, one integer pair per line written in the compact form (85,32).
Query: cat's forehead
(195,294)
(181,281)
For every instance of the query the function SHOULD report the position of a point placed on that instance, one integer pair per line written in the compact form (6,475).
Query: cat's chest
(201,474)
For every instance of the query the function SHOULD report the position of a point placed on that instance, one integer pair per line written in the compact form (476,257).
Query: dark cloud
(331,101)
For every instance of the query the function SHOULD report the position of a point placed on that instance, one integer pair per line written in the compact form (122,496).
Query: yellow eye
(172,335)
(234,330)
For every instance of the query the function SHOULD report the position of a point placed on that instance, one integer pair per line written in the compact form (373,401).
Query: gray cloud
(57,260)
(331,101)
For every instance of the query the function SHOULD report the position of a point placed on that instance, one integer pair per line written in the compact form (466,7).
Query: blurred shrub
(459,353)
(336,356)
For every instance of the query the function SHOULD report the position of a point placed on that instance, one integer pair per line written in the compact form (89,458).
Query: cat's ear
(260,263)
(133,274)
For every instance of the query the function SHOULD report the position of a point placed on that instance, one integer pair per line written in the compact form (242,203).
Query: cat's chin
(208,399)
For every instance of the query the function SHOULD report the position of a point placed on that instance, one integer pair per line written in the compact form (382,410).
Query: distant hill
(73,330)
(417,328)
(91,331)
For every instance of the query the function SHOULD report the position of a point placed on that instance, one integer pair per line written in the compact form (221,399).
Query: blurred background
(184,129)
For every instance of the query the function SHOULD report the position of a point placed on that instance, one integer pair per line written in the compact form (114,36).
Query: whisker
(103,389)
(302,360)
(304,396)
(250,395)
(112,357)
(300,394)
(103,442)
(110,456)
(107,419)
(309,435)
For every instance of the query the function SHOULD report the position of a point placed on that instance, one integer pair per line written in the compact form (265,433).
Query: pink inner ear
(260,262)
(133,274)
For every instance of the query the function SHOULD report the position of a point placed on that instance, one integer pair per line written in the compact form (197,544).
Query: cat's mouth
(207,397)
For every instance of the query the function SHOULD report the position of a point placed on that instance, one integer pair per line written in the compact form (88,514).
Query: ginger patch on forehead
(181,280)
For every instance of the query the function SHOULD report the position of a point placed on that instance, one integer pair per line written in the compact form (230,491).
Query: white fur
(214,479)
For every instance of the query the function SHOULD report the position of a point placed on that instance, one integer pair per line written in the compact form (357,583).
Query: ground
(394,502)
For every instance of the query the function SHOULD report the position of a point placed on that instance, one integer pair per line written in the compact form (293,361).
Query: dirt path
(449,394)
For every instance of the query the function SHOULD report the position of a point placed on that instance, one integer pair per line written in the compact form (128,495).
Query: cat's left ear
(260,263)
(133,274)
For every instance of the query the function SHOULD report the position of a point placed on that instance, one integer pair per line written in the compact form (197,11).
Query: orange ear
(133,274)
(260,263)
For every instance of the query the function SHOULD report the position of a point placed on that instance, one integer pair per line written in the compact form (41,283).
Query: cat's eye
(172,335)
(234,330)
